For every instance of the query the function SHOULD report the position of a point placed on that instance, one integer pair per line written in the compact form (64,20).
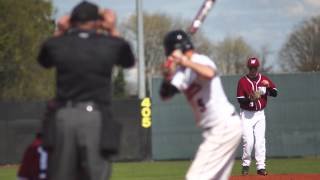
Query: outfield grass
(175,170)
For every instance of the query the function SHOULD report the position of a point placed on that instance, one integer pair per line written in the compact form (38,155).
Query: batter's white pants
(254,125)
(215,156)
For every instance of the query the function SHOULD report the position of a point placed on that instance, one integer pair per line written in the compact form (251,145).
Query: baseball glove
(254,96)
(168,69)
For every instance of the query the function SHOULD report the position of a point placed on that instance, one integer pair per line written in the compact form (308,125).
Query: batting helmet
(177,39)
(253,62)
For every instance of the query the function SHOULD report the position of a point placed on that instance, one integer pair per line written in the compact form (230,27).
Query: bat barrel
(201,15)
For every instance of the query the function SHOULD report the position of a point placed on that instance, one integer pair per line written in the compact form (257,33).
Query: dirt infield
(278,177)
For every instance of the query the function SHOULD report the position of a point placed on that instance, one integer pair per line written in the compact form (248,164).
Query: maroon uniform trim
(247,86)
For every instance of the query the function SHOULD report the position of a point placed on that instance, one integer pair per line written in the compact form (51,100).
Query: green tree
(24,25)
(301,52)
(232,54)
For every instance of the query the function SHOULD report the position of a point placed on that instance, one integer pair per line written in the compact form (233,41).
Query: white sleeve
(204,60)
(178,80)
(184,77)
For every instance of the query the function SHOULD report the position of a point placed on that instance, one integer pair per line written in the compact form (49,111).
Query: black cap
(85,11)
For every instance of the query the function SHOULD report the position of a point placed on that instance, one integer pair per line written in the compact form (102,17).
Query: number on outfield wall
(146,112)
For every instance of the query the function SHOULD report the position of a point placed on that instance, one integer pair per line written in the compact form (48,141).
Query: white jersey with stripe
(206,96)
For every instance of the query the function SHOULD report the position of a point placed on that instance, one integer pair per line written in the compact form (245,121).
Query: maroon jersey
(34,162)
(247,86)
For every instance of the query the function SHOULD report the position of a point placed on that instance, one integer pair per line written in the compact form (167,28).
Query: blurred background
(283,34)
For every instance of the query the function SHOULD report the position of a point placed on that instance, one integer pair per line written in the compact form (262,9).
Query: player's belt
(88,106)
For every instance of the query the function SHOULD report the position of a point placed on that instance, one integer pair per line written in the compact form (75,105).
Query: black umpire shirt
(84,61)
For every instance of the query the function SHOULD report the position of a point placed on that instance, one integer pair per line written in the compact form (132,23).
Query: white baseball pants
(215,157)
(254,125)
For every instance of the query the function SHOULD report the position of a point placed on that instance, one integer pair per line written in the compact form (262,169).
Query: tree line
(26,24)
(300,53)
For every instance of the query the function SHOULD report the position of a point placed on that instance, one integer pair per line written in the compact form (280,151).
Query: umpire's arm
(43,57)
(126,57)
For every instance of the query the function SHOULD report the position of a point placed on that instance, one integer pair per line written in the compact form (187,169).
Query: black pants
(76,151)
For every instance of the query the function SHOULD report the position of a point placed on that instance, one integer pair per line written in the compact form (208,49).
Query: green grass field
(175,170)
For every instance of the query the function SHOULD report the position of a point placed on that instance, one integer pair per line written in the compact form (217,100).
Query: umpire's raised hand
(109,21)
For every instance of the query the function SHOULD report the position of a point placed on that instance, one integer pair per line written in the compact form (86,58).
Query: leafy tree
(301,52)
(24,25)
(232,54)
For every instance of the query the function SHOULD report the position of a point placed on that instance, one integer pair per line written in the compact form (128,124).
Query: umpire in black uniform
(80,132)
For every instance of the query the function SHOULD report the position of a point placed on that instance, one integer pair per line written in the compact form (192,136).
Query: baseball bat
(196,23)
(200,17)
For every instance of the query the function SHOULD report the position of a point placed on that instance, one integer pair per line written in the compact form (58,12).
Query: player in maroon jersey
(34,162)
(253,90)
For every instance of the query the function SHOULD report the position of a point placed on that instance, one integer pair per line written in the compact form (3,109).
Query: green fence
(293,123)
(293,119)
(19,122)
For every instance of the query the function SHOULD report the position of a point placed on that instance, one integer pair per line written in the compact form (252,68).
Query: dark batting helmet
(177,39)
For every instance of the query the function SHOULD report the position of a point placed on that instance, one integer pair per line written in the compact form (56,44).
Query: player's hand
(265,83)
(179,57)
(109,21)
(168,68)
(63,24)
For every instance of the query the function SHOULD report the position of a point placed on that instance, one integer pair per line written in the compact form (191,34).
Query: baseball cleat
(245,170)
(262,172)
